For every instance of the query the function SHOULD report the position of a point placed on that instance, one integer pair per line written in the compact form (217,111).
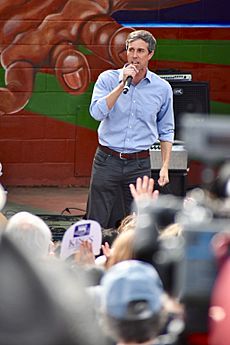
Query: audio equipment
(189,97)
(177,168)
(127,84)
(178,159)
(177,182)
(177,77)
(174,75)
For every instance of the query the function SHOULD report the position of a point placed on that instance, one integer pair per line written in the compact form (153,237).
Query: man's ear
(151,55)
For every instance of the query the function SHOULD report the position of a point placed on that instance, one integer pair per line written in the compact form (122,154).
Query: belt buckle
(120,156)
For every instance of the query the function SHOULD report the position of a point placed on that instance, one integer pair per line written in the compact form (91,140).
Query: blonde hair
(128,223)
(171,230)
(3,222)
(122,248)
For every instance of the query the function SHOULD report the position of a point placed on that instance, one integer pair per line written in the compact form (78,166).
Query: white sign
(82,230)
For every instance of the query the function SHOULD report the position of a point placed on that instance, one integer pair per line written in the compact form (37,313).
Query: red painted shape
(41,174)
(86,145)
(22,126)
(38,150)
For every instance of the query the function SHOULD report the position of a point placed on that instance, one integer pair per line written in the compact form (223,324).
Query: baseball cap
(132,290)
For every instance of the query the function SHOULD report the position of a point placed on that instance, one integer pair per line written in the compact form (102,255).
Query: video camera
(187,263)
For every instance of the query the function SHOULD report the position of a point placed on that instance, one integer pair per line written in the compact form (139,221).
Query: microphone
(127,84)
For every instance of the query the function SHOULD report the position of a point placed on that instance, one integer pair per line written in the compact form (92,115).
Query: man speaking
(135,109)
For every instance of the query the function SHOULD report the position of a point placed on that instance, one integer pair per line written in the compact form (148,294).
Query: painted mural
(53,50)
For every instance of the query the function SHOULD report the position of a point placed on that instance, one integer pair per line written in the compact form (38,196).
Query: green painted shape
(84,50)
(219,108)
(49,99)
(203,51)
(2,77)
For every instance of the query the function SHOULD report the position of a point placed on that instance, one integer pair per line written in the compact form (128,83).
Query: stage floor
(46,200)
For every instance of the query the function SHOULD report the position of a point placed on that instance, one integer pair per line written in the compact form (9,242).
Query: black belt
(134,155)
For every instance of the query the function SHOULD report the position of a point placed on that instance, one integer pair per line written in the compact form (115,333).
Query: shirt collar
(120,75)
(148,75)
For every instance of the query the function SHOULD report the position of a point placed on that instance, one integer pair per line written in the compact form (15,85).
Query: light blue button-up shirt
(139,118)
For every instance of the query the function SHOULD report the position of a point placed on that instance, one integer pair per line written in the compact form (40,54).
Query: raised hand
(84,256)
(144,188)
(106,250)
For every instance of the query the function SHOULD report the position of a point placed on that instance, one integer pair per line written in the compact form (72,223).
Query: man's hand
(163,177)
(166,148)
(129,70)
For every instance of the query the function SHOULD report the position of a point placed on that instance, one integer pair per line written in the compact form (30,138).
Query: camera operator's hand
(144,189)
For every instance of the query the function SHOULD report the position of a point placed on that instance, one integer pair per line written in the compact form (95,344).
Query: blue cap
(132,290)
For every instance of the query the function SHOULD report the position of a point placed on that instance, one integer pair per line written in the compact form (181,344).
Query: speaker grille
(189,97)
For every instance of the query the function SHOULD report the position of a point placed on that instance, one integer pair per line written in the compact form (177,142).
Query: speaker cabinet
(177,182)
(189,97)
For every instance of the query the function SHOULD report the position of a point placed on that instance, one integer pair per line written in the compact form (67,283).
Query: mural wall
(51,54)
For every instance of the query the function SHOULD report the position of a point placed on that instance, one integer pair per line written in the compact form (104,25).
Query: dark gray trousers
(109,186)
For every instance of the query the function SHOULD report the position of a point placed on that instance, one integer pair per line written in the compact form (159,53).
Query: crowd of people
(113,298)
(116,297)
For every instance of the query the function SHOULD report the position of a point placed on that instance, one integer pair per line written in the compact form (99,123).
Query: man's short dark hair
(138,331)
(143,35)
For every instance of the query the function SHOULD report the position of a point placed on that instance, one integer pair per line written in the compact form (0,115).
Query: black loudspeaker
(177,182)
(189,97)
